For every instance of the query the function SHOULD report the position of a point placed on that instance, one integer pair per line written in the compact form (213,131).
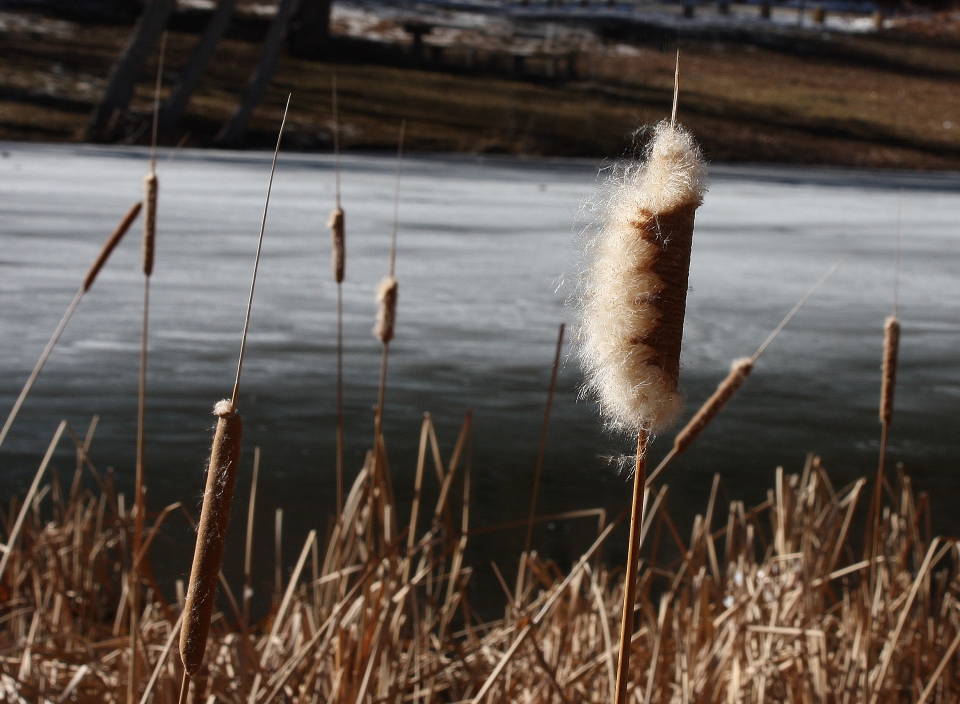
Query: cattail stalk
(221,477)
(634,302)
(891,349)
(88,280)
(891,352)
(336,224)
(151,187)
(538,469)
(248,551)
(383,330)
(739,371)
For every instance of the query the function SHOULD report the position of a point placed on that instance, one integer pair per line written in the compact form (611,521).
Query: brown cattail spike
(891,348)
(739,371)
(339,245)
(214,515)
(387,315)
(150,186)
(111,244)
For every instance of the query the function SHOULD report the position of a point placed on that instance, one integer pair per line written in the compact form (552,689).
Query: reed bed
(767,604)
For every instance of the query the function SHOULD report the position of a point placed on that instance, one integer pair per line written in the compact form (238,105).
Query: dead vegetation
(771,604)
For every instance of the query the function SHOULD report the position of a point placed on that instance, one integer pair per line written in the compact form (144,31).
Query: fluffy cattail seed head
(739,371)
(891,349)
(111,244)
(211,532)
(635,288)
(150,187)
(339,247)
(387,315)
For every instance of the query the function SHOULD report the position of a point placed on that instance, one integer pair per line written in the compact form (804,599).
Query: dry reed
(211,536)
(218,496)
(739,371)
(339,261)
(151,187)
(88,280)
(766,604)
(633,308)
(111,244)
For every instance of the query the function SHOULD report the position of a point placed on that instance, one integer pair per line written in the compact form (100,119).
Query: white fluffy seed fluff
(223,408)
(633,292)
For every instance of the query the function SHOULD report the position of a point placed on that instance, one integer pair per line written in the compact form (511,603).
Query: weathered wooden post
(189,78)
(232,132)
(124,75)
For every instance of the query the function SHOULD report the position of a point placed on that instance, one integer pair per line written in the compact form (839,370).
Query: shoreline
(877,101)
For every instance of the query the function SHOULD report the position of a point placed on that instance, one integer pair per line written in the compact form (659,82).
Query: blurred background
(846,82)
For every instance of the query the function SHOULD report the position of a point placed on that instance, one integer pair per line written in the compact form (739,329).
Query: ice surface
(488,250)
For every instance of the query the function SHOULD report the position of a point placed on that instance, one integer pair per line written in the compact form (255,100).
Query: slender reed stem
(387,333)
(88,280)
(676,91)
(40,362)
(138,518)
(339,400)
(336,137)
(706,413)
(633,567)
(336,157)
(156,104)
(891,352)
(543,440)
(138,501)
(396,199)
(248,552)
(184,688)
(256,263)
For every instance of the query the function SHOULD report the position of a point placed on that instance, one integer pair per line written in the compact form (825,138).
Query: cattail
(634,301)
(636,286)
(739,371)
(150,186)
(339,248)
(111,244)
(211,531)
(891,348)
(387,315)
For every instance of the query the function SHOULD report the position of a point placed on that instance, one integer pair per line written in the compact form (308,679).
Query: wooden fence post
(179,98)
(232,132)
(123,77)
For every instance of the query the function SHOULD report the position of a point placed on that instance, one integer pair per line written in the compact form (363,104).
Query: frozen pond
(487,252)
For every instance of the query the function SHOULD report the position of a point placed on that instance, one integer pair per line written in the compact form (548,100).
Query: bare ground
(887,100)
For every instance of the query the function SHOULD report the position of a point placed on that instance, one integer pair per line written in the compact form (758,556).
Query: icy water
(488,251)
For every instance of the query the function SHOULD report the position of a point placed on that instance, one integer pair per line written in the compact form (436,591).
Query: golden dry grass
(769,604)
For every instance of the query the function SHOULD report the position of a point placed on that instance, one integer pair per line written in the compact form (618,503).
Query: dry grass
(771,604)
